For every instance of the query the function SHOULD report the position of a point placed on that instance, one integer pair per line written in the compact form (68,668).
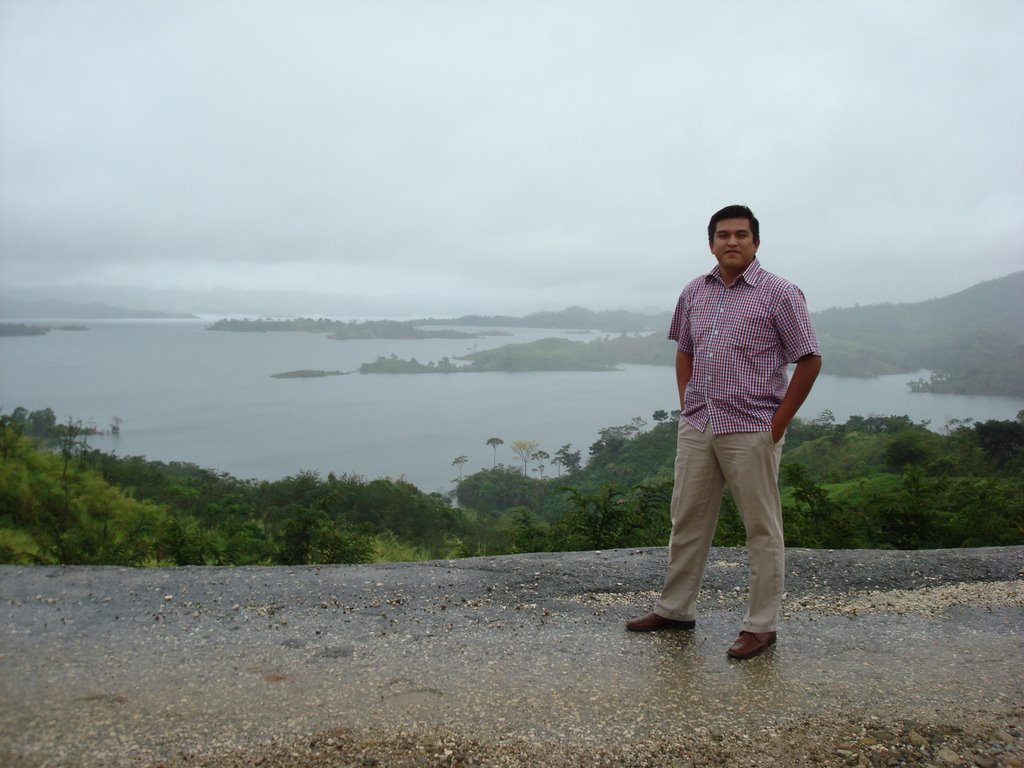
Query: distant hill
(11,308)
(571,319)
(973,340)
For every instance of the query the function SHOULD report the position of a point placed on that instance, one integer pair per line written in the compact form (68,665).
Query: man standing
(737,329)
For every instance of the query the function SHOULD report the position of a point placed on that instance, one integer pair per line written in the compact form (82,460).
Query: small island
(23,329)
(306,373)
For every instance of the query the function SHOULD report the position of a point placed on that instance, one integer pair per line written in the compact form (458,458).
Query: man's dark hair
(735,212)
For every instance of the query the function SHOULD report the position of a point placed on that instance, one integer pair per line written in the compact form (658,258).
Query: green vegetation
(875,482)
(61,502)
(879,482)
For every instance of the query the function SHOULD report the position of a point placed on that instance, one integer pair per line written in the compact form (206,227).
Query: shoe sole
(670,628)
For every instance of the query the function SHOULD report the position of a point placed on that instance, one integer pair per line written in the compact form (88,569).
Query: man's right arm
(684,371)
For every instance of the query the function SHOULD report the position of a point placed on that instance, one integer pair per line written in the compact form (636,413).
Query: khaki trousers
(748,462)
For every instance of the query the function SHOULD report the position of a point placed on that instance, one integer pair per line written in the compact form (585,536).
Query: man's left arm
(804,374)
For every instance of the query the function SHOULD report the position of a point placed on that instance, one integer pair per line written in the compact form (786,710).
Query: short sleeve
(794,325)
(679,328)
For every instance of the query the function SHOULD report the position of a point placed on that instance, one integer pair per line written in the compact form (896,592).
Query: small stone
(948,756)
(844,752)
(983,761)
(917,739)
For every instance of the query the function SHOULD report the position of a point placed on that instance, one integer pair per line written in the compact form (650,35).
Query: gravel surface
(884,659)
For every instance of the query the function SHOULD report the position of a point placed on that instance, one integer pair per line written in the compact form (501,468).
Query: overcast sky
(453,156)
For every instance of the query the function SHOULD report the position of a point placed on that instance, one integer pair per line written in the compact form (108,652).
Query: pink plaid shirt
(741,339)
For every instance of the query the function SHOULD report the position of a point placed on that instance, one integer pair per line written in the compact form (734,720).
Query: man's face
(733,245)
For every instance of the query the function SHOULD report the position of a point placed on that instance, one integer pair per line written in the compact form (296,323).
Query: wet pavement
(111,666)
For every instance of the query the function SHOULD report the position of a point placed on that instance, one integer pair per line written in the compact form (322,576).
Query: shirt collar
(750,275)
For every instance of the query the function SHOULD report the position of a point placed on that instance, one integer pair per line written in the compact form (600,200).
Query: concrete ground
(519,660)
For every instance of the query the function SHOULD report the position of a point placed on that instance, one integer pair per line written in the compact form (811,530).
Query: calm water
(206,397)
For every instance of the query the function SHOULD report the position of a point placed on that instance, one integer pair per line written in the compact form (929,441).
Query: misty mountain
(973,340)
(152,302)
(572,319)
(22,309)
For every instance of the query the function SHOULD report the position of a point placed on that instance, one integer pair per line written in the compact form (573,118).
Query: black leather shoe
(652,622)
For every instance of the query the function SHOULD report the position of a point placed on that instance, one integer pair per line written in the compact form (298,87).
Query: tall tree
(458,461)
(494,442)
(525,449)
(540,457)
(567,459)
(72,439)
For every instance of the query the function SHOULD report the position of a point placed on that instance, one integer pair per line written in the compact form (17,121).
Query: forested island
(602,354)
(542,355)
(873,482)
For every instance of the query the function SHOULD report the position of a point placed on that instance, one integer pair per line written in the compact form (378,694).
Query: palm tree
(494,442)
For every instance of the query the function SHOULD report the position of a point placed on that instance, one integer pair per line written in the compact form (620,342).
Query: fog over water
(205,397)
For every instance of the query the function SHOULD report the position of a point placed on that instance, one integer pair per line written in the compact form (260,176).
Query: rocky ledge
(884,659)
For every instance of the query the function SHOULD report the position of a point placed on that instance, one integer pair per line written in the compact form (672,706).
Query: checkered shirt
(741,337)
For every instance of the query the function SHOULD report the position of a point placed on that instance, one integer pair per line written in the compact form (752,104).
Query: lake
(205,397)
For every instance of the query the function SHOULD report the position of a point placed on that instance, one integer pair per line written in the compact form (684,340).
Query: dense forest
(871,482)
